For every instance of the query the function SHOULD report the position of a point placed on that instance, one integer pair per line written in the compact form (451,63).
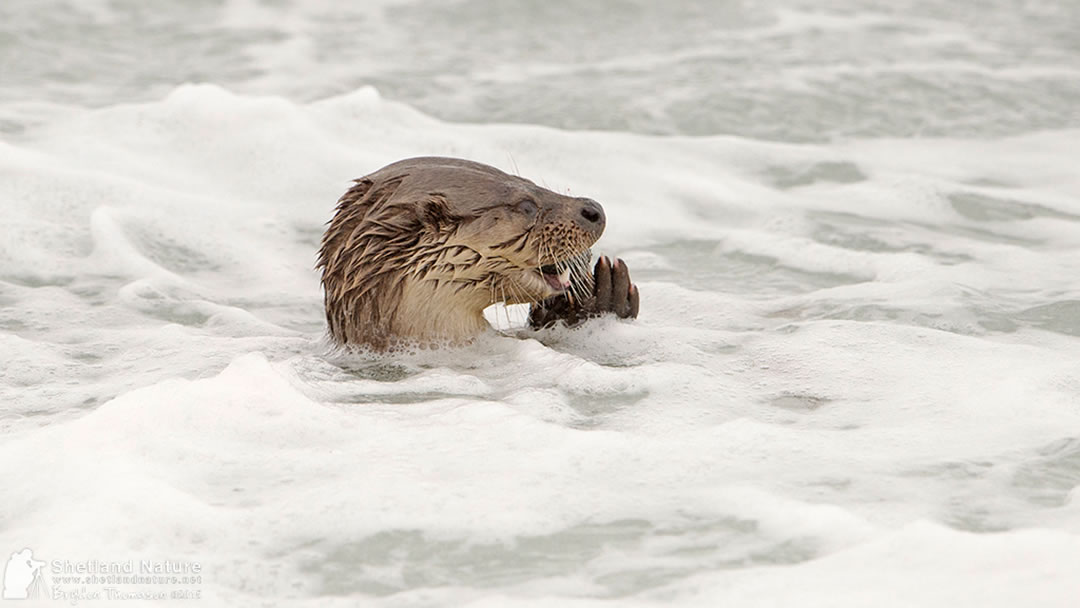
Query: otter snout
(591,216)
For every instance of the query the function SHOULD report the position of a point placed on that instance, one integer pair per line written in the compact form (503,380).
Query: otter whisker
(505,313)
(583,282)
(519,292)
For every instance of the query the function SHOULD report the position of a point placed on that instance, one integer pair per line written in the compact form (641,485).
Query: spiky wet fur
(418,249)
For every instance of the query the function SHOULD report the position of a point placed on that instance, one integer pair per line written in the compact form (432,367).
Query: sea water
(855,379)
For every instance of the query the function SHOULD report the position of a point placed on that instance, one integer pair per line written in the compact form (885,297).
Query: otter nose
(592,211)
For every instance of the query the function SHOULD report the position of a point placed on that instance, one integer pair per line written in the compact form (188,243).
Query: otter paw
(612,290)
(612,293)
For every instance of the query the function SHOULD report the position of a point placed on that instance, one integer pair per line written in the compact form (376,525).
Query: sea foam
(852,376)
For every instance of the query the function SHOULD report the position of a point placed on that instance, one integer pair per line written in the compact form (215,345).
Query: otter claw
(612,293)
(620,289)
(601,299)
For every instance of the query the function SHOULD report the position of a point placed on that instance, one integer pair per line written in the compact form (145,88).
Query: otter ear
(435,211)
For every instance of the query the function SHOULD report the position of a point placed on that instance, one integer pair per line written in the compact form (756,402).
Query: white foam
(841,379)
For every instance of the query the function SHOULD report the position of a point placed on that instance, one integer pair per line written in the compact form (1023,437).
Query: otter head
(419,248)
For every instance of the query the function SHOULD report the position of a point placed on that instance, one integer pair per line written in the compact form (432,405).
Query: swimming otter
(418,249)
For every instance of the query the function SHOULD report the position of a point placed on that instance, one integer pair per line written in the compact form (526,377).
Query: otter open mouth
(569,274)
(558,279)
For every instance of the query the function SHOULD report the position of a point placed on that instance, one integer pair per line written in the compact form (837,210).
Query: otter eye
(528,207)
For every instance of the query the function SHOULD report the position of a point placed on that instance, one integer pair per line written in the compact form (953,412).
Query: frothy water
(855,227)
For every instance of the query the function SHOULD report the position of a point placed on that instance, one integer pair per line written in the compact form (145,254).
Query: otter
(418,249)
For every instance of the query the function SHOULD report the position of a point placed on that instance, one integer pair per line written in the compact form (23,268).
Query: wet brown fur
(416,250)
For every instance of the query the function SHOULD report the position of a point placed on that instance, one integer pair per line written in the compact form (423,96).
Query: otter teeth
(564,277)
(559,281)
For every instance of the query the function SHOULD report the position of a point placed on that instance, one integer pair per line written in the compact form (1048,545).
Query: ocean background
(855,379)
